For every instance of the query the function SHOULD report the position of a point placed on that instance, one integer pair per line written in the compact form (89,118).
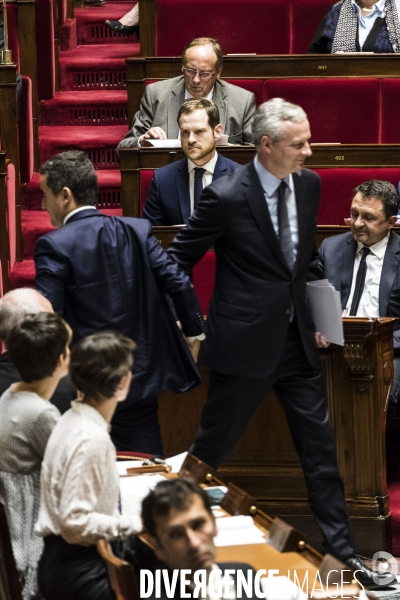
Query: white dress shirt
(270,185)
(369,302)
(366,23)
(207,176)
(76,210)
(79,482)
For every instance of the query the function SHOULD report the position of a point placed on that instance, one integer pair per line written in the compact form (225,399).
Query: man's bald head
(15,305)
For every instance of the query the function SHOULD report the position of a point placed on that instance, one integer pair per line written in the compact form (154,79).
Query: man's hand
(154,132)
(194,346)
(320,341)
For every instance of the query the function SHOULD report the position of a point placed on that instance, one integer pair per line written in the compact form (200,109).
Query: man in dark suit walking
(363,265)
(260,332)
(110,273)
(175,189)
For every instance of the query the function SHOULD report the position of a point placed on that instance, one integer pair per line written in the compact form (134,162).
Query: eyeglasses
(202,74)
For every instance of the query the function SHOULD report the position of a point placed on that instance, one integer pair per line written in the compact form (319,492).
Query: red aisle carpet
(393,484)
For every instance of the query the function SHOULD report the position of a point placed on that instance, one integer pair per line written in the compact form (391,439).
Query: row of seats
(341,110)
(254,26)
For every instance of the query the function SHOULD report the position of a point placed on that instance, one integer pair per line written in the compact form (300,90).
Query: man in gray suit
(201,67)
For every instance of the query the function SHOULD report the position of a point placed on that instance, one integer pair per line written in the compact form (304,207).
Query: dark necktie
(198,185)
(360,283)
(285,236)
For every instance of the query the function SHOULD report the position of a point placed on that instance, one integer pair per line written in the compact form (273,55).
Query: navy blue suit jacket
(168,198)
(336,263)
(110,273)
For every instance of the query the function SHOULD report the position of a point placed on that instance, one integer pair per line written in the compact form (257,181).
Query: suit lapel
(183,190)
(349,250)
(389,270)
(255,197)
(175,101)
(220,168)
(219,100)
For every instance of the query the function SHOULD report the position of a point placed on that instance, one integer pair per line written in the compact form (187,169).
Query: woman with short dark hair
(79,481)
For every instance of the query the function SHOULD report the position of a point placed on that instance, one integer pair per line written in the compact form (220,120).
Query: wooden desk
(4,250)
(265,464)
(323,156)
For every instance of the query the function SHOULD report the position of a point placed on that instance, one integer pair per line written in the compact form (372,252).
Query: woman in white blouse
(79,481)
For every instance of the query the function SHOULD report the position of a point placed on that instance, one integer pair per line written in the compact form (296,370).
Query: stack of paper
(237,531)
(281,588)
(134,489)
(326,310)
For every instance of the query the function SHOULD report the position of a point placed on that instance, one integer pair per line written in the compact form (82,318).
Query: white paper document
(237,531)
(176,462)
(134,489)
(150,142)
(281,588)
(326,310)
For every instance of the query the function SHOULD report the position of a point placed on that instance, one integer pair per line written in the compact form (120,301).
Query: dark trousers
(136,427)
(69,571)
(301,392)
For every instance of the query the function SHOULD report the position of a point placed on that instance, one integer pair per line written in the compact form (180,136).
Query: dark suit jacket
(168,198)
(336,263)
(110,273)
(249,312)
(64,393)
(162,100)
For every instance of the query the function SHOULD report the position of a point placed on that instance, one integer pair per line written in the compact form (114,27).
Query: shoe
(123,29)
(94,2)
(372,580)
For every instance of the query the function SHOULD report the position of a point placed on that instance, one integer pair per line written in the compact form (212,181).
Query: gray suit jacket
(162,100)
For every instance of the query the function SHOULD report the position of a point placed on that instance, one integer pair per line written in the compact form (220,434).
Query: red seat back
(145,177)
(390,90)
(251,85)
(306,16)
(262,28)
(334,108)
(337,187)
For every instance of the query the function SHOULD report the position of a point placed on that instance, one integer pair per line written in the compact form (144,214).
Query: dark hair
(383,191)
(98,363)
(206,41)
(171,493)
(201,104)
(73,170)
(36,344)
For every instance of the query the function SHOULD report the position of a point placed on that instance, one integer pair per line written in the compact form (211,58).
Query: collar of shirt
(90,413)
(377,249)
(209,167)
(379,7)
(69,215)
(269,182)
(209,96)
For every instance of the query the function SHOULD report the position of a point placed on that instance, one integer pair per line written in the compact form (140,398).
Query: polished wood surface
(265,464)
(9,113)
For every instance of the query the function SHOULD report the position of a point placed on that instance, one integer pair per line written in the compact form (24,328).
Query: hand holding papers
(153,143)
(326,310)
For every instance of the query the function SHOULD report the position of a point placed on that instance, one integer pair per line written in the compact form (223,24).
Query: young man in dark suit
(373,213)
(175,189)
(181,526)
(260,332)
(110,273)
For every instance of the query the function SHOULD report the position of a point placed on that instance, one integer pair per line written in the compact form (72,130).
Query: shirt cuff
(200,337)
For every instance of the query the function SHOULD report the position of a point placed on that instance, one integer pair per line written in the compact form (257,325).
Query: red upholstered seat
(337,186)
(345,110)
(306,16)
(252,85)
(261,28)
(26,148)
(11,214)
(390,90)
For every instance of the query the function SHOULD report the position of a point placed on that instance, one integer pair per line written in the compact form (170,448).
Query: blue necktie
(198,185)
(360,282)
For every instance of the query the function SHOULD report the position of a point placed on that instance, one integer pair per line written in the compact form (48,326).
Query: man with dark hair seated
(363,264)
(14,307)
(175,189)
(104,272)
(178,518)
(202,61)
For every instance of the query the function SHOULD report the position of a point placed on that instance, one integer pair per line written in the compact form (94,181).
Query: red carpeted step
(23,274)
(109,190)
(35,223)
(91,28)
(98,142)
(96,67)
(86,108)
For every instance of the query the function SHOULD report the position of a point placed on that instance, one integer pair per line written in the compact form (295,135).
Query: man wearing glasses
(201,69)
